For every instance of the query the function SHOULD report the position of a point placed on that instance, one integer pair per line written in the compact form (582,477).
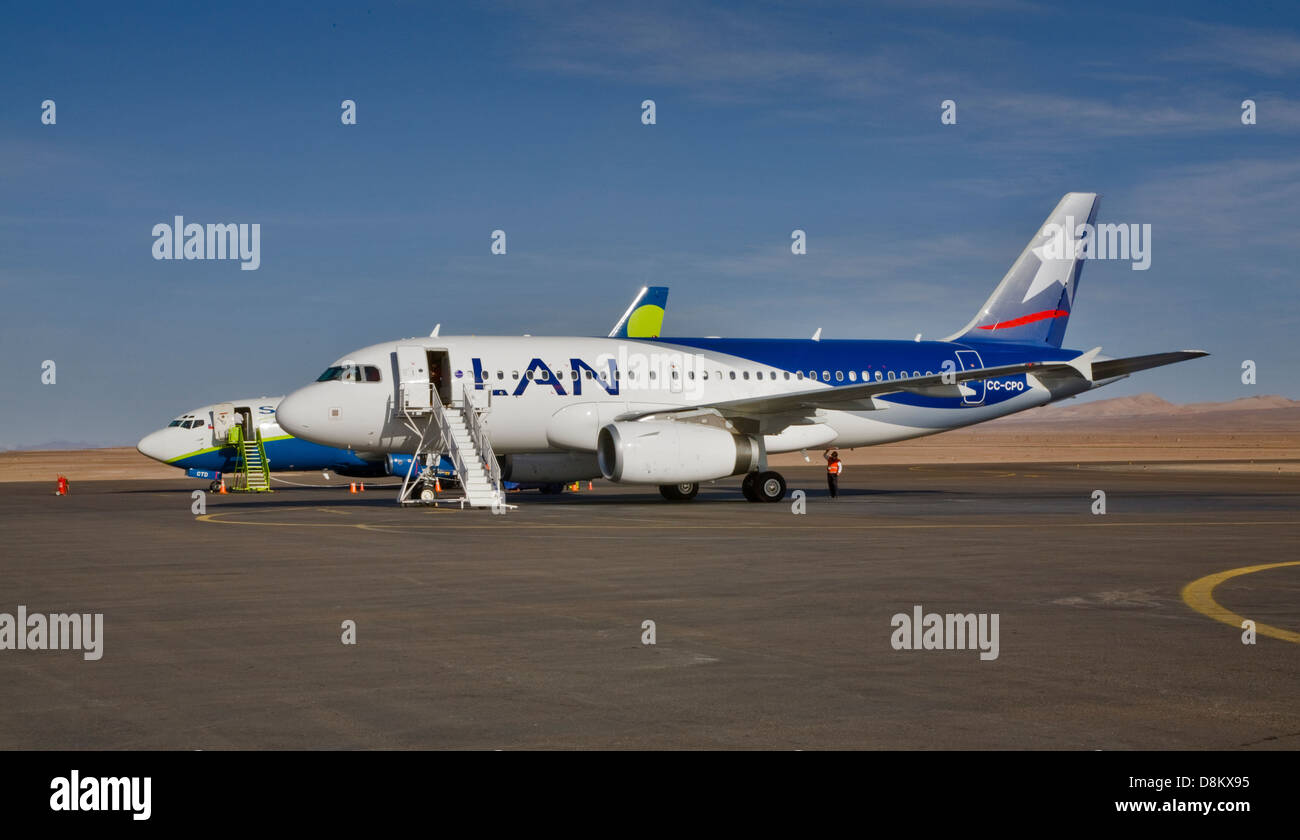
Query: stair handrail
(473,424)
(483,443)
(448,440)
(261,455)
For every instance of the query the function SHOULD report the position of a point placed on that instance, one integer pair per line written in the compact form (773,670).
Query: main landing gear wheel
(214,487)
(770,487)
(763,487)
(679,492)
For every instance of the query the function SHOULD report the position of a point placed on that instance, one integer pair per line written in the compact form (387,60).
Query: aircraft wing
(862,397)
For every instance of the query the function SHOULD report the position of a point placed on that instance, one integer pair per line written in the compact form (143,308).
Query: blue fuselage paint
(288,454)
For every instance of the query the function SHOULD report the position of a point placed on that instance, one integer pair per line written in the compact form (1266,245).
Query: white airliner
(197,441)
(675,412)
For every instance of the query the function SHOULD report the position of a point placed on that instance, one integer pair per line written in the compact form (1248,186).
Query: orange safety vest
(833,467)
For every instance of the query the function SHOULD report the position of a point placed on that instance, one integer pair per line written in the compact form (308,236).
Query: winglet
(1083,362)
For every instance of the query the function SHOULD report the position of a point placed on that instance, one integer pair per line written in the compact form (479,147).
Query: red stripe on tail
(1028,319)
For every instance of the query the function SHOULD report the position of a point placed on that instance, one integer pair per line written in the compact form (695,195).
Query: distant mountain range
(1150,406)
(62,445)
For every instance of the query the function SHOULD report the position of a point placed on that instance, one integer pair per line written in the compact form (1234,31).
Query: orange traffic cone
(222,491)
(437,485)
(588,485)
(363,487)
(352,488)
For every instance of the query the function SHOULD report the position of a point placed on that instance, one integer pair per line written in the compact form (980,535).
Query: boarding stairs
(456,429)
(252,470)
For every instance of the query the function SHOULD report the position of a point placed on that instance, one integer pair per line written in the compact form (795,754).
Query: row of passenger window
(370,373)
(867,376)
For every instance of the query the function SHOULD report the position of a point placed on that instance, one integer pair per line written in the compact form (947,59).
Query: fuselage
(194,442)
(549,394)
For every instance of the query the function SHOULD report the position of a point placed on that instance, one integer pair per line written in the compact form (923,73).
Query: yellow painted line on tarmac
(1199,595)
(623,525)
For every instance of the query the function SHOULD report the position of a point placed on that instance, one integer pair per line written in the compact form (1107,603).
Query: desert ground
(1252,434)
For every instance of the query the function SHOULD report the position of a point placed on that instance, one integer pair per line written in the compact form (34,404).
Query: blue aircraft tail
(1032,303)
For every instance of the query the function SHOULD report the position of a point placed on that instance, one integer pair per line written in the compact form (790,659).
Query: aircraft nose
(296,414)
(154,445)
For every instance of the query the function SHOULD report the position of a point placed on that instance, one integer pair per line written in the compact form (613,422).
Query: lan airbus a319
(675,412)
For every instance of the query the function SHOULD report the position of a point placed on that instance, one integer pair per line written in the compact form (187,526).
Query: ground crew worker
(833,469)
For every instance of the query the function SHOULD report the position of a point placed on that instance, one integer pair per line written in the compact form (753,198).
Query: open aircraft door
(970,360)
(223,417)
(413,378)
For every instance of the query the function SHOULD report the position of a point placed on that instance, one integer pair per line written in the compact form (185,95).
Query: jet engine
(672,452)
(398,465)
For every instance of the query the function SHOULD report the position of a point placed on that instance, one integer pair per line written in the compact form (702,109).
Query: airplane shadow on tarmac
(386,497)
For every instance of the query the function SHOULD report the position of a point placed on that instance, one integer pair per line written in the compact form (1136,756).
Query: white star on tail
(1056,260)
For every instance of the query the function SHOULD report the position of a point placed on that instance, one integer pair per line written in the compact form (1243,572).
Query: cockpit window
(194,424)
(174,423)
(351,373)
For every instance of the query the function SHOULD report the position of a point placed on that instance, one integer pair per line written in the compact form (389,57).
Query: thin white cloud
(1270,52)
(716,54)
(768,57)
(1238,204)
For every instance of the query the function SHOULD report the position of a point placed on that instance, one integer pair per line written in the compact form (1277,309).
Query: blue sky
(524,117)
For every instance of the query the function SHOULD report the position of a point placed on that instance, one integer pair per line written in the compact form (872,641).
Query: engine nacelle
(549,467)
(672,452)
(369,469)
(398,466)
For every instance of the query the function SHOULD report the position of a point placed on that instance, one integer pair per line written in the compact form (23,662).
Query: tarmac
(772,628)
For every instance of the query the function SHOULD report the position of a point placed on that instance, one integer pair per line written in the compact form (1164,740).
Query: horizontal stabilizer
(1123,367)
